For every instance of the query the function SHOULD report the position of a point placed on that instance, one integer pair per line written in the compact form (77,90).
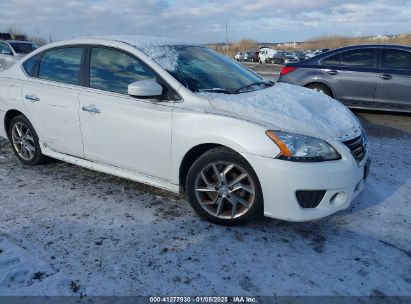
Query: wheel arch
(193,154)
(190,157)
(10,114)
(321,83)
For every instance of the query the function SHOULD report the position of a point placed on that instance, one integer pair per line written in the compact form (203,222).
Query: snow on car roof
(144,42)
(160,49)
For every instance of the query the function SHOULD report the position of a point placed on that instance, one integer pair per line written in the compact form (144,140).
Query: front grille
(357,147)
(309,198)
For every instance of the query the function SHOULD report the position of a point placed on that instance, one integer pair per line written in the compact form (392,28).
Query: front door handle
(32,98)
(91,109)
(332,72)
(385,76)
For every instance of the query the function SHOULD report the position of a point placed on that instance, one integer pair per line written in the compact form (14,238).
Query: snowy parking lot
(65,230)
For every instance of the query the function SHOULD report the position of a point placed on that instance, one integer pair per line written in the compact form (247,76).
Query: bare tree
(16,32)
(40,41)
(19,34)
(324,42)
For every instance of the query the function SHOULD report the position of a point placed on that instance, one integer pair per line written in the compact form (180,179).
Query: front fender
(191,129)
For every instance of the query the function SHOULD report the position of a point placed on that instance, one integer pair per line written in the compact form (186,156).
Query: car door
(121,130)
(394,79)
(352,75)
(51,97)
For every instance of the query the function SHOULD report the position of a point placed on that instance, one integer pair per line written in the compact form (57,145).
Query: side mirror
(145,88)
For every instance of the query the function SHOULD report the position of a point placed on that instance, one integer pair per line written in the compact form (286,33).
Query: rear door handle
(32,98)
(91,109)
(385,76)
(332,72)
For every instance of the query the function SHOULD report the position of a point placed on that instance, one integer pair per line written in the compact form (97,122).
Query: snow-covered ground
(65,230)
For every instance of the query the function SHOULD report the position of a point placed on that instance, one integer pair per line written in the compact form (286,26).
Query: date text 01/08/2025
(202,299)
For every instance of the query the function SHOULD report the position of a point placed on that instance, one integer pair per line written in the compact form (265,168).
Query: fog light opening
(333,197)
(337,198)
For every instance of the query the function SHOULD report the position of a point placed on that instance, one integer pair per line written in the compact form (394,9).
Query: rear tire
(231,197)
(24,141)
(320,88)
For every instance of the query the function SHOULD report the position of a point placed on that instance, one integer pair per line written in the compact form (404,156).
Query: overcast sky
(204,20)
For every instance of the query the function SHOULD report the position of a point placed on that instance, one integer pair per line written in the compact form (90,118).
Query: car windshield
(23,48)
(203,70)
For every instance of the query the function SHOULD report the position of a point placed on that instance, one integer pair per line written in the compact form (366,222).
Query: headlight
(302,148)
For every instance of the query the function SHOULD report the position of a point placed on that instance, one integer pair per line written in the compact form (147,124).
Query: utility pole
(226,36)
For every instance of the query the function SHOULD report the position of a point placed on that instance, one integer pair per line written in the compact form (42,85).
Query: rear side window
(332,60)
(113,71)
(358,58)
(30,65)
(62,65)
(396,59)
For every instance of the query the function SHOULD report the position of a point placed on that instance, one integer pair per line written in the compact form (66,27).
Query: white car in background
(239,56)
(187,119)
(266,54)
(12,51)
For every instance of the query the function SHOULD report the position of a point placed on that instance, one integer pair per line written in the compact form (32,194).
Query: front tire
(223,188)
(24,141)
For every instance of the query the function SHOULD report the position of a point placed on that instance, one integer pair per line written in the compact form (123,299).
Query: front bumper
(342,181)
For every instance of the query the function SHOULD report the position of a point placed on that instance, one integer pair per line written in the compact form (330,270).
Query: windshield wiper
(267,83)
(216,90)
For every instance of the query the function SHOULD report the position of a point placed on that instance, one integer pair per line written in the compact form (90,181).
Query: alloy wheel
(224,190)
(23,141)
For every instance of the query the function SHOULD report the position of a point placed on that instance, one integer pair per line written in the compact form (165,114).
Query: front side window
(62,65)
(5,49)
(113,71)
(358,58)
(396,59)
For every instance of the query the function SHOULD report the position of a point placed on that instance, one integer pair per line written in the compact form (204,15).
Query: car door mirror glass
(145,88)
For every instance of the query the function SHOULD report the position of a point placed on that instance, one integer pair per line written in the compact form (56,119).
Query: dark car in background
(366,76)
(255,56)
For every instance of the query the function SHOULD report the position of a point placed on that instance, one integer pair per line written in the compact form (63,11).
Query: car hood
(291,108)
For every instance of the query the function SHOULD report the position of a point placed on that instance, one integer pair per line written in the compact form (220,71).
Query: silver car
(12,51)
(367,76)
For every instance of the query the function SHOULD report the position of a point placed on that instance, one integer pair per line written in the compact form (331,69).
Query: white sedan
(184,118)
(12,51)
(239,56)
